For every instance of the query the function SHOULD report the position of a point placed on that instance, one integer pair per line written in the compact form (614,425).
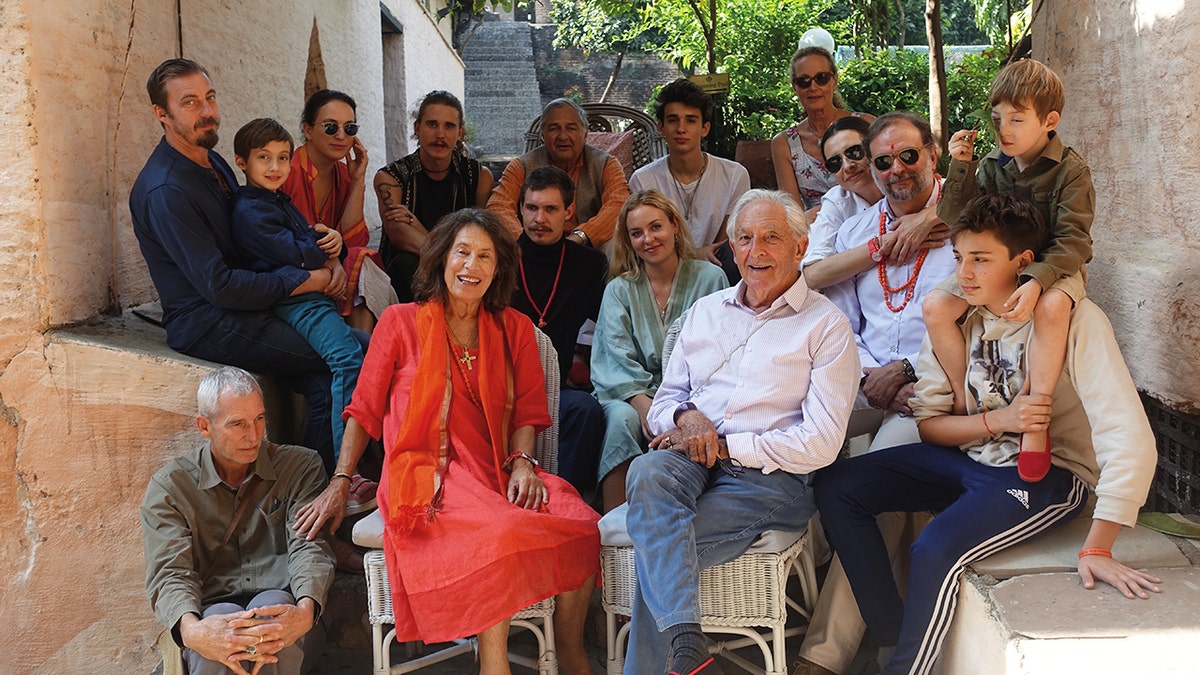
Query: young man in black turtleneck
(559,287)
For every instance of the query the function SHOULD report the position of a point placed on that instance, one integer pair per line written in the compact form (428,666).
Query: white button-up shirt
(884,336)
(778,385)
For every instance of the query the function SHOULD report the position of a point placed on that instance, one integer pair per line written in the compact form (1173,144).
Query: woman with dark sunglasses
(799,168)
(845,156)
(328,185)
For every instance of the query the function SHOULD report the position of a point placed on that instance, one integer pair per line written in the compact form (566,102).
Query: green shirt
(187,510)
(1058,183)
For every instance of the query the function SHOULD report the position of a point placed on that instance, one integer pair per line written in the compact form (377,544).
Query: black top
(577,298)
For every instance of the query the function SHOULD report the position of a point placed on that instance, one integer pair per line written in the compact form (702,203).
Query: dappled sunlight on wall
(1147,12)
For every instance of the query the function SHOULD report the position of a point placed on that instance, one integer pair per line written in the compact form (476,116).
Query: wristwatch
(680,409)
(910,373)
(587,241)
(873,245)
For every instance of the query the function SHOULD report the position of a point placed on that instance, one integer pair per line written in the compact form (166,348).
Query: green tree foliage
(887,79)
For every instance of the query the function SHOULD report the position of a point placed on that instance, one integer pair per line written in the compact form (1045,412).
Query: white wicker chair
(536,618)
(738,597)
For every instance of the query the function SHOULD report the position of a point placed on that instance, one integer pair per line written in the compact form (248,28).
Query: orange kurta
(299,187)
(481,559)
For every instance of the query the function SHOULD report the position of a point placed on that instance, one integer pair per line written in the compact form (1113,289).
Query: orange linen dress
(481,559)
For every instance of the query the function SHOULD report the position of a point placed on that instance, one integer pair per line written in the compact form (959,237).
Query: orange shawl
(299,186)
(418,458)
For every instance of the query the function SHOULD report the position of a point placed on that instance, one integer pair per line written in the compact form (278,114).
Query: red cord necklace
(541,322)
(909,287)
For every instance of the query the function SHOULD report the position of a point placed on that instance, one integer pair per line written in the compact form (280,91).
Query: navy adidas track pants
(983,509)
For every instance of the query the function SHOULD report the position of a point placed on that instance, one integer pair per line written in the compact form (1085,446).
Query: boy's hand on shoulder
(1021,303)
(962,145)
(329,240)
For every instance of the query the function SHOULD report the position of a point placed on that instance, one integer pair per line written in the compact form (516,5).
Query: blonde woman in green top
(655,279)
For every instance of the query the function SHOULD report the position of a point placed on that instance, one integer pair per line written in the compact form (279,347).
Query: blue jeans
(262,343)
(316,318)
(983,510)
(684,518)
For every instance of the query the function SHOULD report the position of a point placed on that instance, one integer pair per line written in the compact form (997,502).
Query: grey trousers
(291,658)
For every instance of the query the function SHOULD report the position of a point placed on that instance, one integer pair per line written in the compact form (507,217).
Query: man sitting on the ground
(755,397)
(600,188)
(224,571)
(966,466)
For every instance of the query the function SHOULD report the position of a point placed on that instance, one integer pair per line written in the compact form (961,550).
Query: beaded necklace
(541,322)
(909,287)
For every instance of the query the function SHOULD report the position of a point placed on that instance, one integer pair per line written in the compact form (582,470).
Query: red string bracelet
(985,424)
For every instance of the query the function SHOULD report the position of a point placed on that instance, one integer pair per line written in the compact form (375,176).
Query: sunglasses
(331,128)
(853,153)
(804,81)
(907,156)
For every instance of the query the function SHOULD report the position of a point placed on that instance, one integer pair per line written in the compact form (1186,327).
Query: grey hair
(224,380)
(796,219)
(560,102)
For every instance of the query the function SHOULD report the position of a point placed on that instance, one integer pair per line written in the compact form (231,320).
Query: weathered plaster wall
(1132,83)
(86,418)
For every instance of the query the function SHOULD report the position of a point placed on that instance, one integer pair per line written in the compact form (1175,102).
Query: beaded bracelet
(1095,551)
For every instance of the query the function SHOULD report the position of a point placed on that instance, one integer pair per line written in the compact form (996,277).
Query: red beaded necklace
(541,322)
(458,362)
(909,287)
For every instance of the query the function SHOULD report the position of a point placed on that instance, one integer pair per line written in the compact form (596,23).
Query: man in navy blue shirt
(180,206)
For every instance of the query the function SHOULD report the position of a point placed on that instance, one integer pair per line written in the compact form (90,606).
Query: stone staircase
(502,88)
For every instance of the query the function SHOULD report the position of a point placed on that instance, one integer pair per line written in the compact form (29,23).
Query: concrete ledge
(1058,550)
(1025,611)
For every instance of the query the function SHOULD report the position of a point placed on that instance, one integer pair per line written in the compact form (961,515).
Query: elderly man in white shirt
(756,396)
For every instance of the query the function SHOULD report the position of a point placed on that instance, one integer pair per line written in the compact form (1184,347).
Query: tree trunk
(711,37)
(612,78)
(939,115)
(900,23)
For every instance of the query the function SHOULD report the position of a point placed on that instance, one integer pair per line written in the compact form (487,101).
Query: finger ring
(670,442)
(251,650)
(260,639)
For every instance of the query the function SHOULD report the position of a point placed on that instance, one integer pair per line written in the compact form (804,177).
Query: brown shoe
(806,667)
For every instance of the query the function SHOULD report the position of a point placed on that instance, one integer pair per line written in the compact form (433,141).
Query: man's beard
(207,138)
(920,182)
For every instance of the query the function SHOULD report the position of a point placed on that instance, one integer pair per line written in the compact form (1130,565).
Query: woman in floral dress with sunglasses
(814,80)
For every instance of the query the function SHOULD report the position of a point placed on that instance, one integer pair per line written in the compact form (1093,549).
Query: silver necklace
(688,198)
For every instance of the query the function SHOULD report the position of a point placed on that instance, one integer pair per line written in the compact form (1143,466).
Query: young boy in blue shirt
(1032,163)
(964,469)
(272,233)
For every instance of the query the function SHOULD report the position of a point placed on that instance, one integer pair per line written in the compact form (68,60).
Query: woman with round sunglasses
(799,168)
(845,156)
(328,185)
(417,190)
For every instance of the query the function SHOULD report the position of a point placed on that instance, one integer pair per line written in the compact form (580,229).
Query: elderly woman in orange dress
(328,185)
(453,385)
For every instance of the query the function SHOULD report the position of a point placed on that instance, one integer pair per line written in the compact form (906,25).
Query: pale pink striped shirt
(778,385)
